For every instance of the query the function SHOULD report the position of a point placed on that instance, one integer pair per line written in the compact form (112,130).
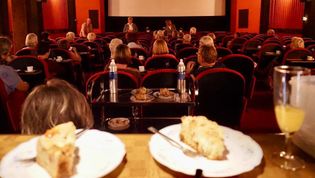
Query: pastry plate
(134,91)
(118,123)
(158,95)
(148,99)
(100,153)
(244,154)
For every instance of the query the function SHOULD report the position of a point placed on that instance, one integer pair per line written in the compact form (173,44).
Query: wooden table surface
(138,162)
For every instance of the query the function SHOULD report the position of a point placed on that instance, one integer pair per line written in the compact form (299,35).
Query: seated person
(130,26)
(158,34)
(207,59)
(271,33)
(206,40)
(91,37)
(186,39)
(74,55)
(169,28)
(296,42)
(113,45)
(44,43)
(54,103)
(31,42)
(70,36)
(132,40)
(159,47)
(123,60)
(8,75)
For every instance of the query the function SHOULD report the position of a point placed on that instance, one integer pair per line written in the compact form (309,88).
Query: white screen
(166,8)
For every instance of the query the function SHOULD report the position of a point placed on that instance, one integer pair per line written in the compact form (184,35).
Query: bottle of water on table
(113,80)
(181,82)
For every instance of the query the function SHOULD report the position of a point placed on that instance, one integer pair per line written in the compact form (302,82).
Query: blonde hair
(187,38)
(297,42)
(160,47)
(193,30)
(70,36)
(206,41)
(52,104)
(208,54)
(123,54)
(113,45)
(159,34)
(31,40)
(91,36)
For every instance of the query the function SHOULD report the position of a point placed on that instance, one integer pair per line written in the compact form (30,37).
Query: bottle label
(181,76)
(112,75)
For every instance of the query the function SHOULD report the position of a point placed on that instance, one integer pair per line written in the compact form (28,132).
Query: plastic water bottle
(113,80)
(181,82)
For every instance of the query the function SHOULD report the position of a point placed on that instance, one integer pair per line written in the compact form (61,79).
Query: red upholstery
(221,96)
(26,51)
(297,54)
(185,52)
(12,105)
(162,78)
(223,52)
(161,61)
(236,44)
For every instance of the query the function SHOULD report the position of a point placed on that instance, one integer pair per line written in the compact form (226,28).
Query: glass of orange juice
(288,103)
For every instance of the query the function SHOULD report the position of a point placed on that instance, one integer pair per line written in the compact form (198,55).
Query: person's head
(31,40)
(5,48)
(207,54)
(206,40)
(113,45)
(70,36)
(193,30)
(160,47)
(212,35)
(122,54)
(54,103)
(159,34)
(88,21)
(130,20)
(91,36)
(186,39)
(64,44)
(180,35)
(271,33)
(297,42)
(44,36)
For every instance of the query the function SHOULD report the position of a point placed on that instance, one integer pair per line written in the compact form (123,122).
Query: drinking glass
(288,103)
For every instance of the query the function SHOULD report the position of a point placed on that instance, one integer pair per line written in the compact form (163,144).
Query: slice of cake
(203,135)
(56,151)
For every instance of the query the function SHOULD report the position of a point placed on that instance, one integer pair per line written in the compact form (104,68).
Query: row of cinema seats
(219,94)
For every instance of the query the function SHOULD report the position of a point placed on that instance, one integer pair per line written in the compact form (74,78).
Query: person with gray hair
(113,45)
(8,75)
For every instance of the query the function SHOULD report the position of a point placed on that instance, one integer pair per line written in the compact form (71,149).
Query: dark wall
(309,26)
(203,23)
(4,20)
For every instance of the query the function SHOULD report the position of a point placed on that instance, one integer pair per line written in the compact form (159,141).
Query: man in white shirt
(130,26)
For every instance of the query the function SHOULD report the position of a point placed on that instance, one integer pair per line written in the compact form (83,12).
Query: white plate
(100,153)
(149,98)
(244,154)
(157,94)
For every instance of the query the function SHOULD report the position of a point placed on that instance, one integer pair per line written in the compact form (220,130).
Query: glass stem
(288,148)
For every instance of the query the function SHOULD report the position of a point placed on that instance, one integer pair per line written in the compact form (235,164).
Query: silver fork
(33,158)
(186,151)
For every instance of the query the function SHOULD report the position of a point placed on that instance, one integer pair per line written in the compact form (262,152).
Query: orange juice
(289,118)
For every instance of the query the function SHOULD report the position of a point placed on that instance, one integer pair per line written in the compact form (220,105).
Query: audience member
(169,28)
(113,45)
(296,42)
(91,37)
(207,59)
(193,31)
(130,26)
(44,43)
(8,75)
(160,47)
(86,28)
(158,34)
(70,36)
(212,35)
(186,39)
(54,103)
(74,55)
(206,40)
(31,40)
(271,33)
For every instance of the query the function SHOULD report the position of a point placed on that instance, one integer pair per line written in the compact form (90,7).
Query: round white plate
(244,154)
(100,153)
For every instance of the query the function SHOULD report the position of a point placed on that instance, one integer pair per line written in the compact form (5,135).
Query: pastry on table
(56,151)
(203,135)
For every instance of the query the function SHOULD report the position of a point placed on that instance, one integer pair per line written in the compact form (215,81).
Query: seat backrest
(59,52)
(244,65)
(236,44)
(185,52)
(220,96)
(297,54)
(223,52)
(26,51)
(226,40)
(21,62)
(180,46)
(163,61)
(136,52)
(162,78)
(100,81)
